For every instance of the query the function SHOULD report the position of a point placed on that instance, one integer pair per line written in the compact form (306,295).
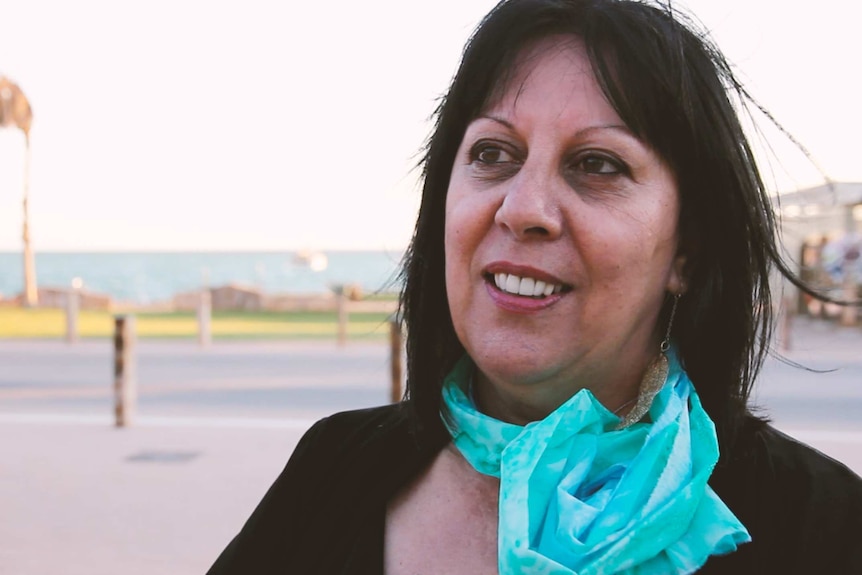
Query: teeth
(525,286)
(513,284)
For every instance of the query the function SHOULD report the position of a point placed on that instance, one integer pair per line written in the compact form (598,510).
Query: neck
(522,403)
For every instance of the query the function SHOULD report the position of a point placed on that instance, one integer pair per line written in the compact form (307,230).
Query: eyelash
(618,167)
(481,147)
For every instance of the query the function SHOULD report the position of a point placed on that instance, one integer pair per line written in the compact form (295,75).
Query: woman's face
(561,241)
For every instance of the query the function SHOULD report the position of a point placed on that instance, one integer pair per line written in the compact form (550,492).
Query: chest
(444,522)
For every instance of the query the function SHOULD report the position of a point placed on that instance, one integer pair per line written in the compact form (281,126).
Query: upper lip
(503,267)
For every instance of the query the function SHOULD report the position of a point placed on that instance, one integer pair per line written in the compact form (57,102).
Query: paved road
(180,378)
(271,381)
(216,425)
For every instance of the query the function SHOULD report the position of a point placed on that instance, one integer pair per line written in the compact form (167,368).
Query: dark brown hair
(675,91)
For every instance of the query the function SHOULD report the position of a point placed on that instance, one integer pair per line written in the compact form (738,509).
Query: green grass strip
(17,323)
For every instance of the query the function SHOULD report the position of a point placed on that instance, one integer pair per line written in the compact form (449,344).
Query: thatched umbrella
(15,112)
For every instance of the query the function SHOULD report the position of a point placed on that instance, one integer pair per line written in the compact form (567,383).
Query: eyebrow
(615,127)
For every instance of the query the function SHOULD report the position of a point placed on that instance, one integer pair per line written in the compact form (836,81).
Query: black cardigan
(326,511)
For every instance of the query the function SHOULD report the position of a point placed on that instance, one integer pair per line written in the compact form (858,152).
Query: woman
(587,306)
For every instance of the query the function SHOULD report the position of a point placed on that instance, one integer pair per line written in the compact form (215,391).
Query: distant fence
(54,297)
(231,297)
(241,298)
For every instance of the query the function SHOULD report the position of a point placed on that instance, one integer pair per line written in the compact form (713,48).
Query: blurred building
(820,229)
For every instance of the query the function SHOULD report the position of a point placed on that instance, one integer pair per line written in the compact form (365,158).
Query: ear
(677,280)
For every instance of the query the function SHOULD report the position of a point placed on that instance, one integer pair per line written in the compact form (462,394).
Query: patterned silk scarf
(579,497)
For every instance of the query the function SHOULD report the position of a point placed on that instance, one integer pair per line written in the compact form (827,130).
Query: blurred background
(240,179)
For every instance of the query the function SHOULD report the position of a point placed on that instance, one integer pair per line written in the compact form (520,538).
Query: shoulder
(802,508)
(370,439)
(339,454)
(349,431)
(791,470)
(330,497)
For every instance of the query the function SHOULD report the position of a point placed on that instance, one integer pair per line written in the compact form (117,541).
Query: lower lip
(520,304)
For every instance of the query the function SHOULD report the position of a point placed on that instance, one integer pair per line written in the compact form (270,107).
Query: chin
(513,369)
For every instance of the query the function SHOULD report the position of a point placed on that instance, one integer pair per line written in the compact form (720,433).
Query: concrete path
(215,426)
(91,500)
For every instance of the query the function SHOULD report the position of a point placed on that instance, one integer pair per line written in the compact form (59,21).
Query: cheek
(631,250)
(462,228)
(456,256)
(457,270)
(451,277)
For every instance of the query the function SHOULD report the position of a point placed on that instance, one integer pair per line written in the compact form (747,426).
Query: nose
(529,209)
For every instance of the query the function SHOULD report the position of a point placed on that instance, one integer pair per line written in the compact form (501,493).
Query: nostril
(537,231)
(529,216)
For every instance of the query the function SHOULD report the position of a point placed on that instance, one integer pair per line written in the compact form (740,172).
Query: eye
(489,153)
(599,164)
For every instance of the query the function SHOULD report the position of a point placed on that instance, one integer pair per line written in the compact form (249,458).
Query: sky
(263,125)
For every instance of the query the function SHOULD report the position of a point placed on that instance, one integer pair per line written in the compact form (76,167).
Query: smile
(525,286)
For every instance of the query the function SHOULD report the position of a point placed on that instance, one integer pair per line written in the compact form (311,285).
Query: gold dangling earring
(654,376)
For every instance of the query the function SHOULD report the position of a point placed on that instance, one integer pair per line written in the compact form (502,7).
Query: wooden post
(396,393)
(849,312)
(73,305)
(125,385)
(851,260)
(205,305)
(785,323)
(342,316)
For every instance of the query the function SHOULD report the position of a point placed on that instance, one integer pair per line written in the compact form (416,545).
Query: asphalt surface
(215,425)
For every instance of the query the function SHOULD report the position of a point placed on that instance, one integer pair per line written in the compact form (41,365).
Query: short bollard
(205,307)
(849,313)
(342,316)
(785,316)
(395,393)
(73,305)
(125,386)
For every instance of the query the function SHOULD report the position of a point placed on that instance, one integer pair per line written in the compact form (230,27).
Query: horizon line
(198,250)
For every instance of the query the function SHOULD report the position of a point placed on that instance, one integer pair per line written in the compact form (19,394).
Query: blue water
(145,277)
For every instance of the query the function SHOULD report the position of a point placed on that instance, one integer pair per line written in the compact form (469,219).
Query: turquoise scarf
(578,497)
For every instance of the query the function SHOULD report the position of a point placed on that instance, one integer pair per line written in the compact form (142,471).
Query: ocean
(148,277)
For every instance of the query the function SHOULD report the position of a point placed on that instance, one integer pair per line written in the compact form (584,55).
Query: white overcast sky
(227,125)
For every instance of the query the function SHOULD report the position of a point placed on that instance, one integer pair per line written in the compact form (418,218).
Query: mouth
(524,282)
(524,286)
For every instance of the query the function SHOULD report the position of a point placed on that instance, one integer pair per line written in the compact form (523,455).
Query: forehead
(554,71)
(569,52)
